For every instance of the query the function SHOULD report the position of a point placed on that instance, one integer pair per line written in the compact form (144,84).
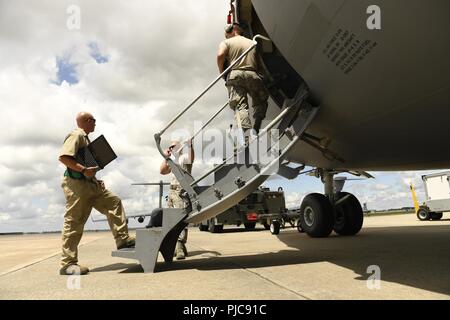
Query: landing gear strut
(338,211)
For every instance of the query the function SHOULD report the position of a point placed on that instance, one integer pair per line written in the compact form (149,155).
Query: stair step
(152,229)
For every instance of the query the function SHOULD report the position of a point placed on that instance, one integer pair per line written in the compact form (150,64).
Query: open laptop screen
(97,153)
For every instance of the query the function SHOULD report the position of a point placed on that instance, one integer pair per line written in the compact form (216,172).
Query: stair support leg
(151,241)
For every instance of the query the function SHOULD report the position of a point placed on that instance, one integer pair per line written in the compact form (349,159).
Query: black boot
(257,125)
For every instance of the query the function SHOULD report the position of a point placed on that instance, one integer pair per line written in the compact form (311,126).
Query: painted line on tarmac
(275,283)
(36,261)
(255,273)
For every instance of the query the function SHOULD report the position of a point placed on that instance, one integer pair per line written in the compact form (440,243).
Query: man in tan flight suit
(185,160)
(84,192)
(243,78)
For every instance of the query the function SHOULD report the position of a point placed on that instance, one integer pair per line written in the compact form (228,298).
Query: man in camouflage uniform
(83,192)
(185,157)
(243,79)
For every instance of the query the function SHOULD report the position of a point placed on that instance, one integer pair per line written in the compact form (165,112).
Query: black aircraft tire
(316,215)
(349,215)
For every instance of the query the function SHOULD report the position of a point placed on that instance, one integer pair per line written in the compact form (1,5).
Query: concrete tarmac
(412,257)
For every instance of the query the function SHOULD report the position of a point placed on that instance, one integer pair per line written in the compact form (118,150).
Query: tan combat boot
(73,269)
(129,242)
(180,251)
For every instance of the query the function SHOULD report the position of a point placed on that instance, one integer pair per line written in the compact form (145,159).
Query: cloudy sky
(133,64)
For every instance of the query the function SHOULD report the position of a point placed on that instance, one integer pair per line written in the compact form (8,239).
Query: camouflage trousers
(240,84)
(174,200)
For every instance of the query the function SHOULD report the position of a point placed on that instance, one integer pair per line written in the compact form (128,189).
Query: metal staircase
(232,181)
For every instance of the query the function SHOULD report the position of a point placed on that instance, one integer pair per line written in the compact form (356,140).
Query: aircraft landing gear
(348,214)
(321,214)
(316,215)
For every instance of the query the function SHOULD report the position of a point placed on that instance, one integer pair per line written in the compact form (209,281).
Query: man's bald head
(83,116)
(86,121)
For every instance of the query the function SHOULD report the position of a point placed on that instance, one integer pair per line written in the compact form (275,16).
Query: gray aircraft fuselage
(384,94)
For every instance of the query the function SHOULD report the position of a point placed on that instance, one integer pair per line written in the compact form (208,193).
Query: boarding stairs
(233,180)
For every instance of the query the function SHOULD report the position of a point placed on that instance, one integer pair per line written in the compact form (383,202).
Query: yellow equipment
(416,203)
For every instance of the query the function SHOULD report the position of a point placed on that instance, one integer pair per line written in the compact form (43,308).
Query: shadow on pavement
(239,230)
(114,267)
(133,267)
(416,256)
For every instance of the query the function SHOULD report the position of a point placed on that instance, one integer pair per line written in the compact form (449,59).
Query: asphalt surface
(411,257)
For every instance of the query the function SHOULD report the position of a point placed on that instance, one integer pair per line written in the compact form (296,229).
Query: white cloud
(4,217)
(294,199)
(160,55)
(389,189)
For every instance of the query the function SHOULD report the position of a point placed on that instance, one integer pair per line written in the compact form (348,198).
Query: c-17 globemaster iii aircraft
(360,86)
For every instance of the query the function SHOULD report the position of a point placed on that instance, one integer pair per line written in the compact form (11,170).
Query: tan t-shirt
(76,140)
(237,46)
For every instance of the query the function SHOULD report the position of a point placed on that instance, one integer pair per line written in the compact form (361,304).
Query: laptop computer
(97,154)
